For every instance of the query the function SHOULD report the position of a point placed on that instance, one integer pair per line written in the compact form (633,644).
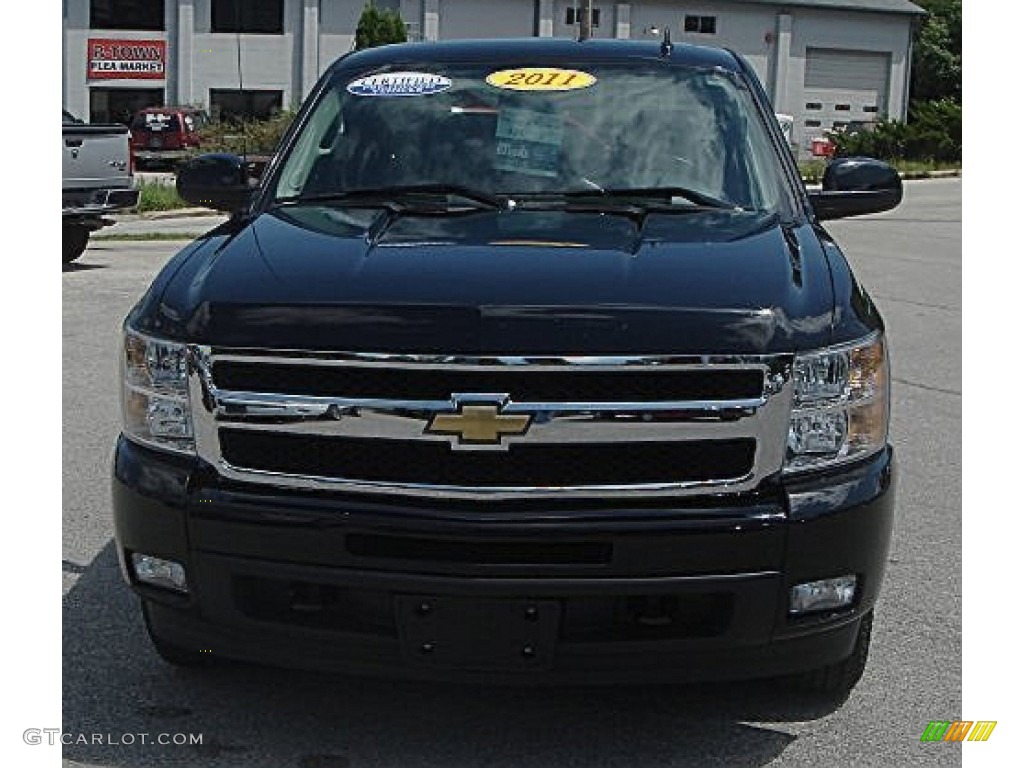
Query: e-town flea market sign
(126,59)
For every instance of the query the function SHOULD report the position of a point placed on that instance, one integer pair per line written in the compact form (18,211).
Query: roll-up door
(843,87)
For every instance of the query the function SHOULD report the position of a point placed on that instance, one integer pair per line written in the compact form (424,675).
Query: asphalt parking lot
(910,260)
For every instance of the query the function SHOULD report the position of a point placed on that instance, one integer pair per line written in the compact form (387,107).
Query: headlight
(840,405)
(154,393)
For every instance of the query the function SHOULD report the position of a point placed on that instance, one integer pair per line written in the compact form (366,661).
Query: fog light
(824,595)
(159,573)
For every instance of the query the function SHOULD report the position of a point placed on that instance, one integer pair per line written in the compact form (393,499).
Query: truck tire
(839,679)
(76,237)
(173,654)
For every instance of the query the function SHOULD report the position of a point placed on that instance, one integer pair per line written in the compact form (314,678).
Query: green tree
(936,67)
(379,27)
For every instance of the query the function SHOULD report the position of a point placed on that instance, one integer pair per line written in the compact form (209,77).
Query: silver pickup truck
(97,179)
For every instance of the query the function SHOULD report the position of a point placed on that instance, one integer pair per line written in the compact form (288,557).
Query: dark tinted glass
(254,16)
(127,14)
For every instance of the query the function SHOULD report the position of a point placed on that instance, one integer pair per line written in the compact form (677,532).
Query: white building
(825,62)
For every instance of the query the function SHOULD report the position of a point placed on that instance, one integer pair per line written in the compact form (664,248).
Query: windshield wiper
(646,195)
(636,203)
(400,195)
(664,198)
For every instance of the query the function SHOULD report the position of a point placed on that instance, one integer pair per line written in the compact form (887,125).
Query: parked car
(97,179)
(518,373)
(165,135)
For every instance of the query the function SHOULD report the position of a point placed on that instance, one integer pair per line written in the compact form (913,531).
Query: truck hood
(509,282)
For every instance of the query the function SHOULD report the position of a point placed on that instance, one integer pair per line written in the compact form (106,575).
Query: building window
(574,17)
(119,105)
(143,15)
(235,105)
(413,31)
(261,17)
(703,25)
(812,105)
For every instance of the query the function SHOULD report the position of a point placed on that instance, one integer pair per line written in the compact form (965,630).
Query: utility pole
(585,11)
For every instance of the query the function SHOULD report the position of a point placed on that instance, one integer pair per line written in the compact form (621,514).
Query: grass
(159,197)
(922,166)
(164,197)
(812,170)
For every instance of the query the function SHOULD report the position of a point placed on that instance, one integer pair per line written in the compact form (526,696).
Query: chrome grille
(523,384)
(640,426)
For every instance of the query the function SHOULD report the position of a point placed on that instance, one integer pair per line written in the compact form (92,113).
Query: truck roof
(521,49)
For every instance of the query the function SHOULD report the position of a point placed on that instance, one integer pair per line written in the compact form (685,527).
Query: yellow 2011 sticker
(540,79)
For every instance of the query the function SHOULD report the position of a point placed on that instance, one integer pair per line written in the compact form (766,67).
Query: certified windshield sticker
(540,79)
(399,84)
(528,142)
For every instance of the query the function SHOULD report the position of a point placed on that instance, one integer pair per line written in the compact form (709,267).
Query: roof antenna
(241,91)
(666,43)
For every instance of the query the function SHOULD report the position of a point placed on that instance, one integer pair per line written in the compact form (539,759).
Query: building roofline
(896,7)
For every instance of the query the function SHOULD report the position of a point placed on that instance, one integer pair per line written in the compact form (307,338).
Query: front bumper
(161,154)
(618,592)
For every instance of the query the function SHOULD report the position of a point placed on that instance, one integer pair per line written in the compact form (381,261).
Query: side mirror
(854,186)
(215,181)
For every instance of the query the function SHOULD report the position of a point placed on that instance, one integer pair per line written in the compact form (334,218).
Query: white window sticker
(528,142)
(399,84)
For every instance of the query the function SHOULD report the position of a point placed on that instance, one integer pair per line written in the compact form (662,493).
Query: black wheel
(76,237)
(839,679)
(175,655)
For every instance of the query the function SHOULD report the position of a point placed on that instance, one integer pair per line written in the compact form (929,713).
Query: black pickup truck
(524,360)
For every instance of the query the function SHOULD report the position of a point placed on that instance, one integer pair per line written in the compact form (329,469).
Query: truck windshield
(537,131)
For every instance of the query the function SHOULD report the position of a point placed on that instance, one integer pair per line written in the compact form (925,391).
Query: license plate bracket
(473,634)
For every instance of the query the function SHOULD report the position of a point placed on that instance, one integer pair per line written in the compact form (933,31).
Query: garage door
(841,87)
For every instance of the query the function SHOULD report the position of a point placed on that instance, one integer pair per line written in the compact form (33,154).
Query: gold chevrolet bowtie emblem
(479,424)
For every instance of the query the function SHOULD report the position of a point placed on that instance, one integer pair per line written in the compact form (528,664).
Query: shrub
(379,27)
(937,130)
(252,137)
(933,133)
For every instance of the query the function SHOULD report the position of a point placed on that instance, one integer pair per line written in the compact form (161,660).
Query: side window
(310,160)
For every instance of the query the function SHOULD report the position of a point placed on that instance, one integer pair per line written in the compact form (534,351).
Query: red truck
(164,135)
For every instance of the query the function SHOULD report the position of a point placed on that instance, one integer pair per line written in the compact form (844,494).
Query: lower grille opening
(317,606)
(647,617)
(604,618)
(479,552)
(523,465)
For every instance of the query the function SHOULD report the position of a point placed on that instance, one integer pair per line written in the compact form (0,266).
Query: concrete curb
(177,213)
